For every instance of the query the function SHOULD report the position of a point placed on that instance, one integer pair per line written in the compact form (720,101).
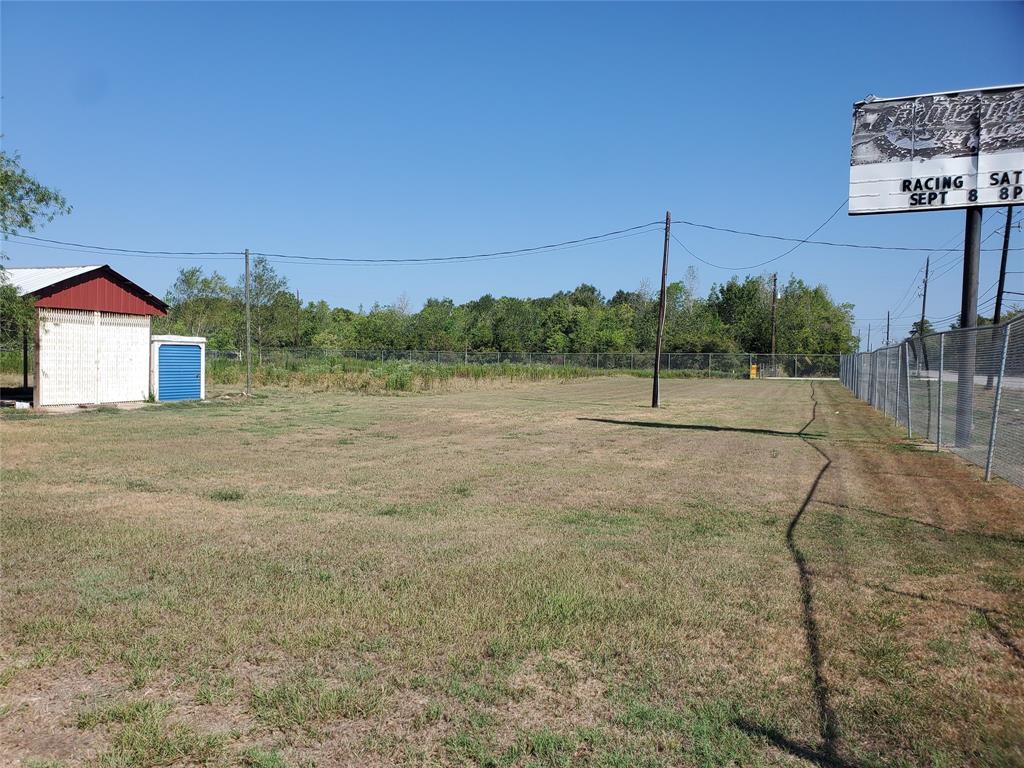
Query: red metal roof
(101,290)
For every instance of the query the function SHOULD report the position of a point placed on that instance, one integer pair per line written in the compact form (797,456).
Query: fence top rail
(973,329)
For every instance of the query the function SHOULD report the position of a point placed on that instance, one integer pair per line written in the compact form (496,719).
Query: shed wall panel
(67,357)
(123,358)
(92,357)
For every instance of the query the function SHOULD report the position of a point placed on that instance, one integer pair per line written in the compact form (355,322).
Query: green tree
(479,324)
(644,306)
(435,326)
(331,328)
(587,296)
(616,332)
(516,325)
(264,286)
(382,328)
(734,317)
(809,322)
(691,324)
(921,329)
(556,324)
(745,308)
(201,305)
(24,205)
(982,320)
(24,202)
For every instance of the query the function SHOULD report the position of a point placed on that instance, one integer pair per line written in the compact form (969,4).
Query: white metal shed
(92,335)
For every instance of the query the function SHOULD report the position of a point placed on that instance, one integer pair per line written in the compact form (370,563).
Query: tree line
(734,316)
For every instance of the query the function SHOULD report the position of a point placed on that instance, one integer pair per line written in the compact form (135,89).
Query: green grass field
(518,573)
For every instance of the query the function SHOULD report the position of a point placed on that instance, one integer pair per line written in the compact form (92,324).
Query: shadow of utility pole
(997,630)
(822,694)
(699,427)
(803,751)
(826,754)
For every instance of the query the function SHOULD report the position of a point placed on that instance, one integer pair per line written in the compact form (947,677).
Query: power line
(122,250)
(956,252)
(982,305)
(956,262)
(767,261)
(906,297)
(282,258)
(879,319)
(471,257)
(311,261)
(607,236)
(816,242)
(126,253)
(568,245)
(990,289)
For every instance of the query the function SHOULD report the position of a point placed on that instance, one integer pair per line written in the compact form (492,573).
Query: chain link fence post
(899,376)
(906,375)
(885,387)
(942,367)
(994,352)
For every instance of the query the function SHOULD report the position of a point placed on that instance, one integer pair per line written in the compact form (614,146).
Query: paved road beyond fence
(961,389)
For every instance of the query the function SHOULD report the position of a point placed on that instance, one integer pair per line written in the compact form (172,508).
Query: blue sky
(412,130)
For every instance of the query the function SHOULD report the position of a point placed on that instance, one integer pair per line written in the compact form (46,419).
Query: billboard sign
(938,151)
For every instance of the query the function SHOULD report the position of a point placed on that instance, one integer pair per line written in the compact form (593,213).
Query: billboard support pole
(656,394)
(968,319)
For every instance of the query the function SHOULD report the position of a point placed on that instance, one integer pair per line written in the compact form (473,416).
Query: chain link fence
(962,390)
(713,364)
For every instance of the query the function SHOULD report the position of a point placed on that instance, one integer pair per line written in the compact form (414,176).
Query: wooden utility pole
(775,293)
(997,315)
(248,330)
(924,347)
(656,393)
(869,337)
(887,339)
(924,296)
(1002,268)
(968,319)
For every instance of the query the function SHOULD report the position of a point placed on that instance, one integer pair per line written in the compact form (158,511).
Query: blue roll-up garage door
(180,371)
